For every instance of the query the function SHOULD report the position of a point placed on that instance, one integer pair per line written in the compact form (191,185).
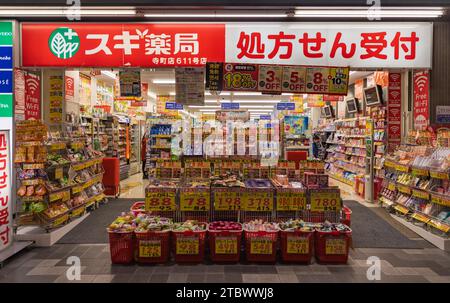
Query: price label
(58,146)
(227,200)
(261,246)
(402,168)
(240,77)
(195,201)
(420,217)
(187,246)
(269,78)
(293,79)
(325,201)
(401,209)
(338,78)
(317,80)
(150,249)
(391,186)
(160,201)
(61,220)
(404,189)
(439,175)
(77,212)
(291,201)
(335,246)
(297,245)
(59,173)
(419,172)
(439,225)
(444,201)
(226,245)
(258,201)
(420,194)
(389,164)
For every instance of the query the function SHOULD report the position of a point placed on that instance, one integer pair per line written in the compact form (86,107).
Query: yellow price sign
(227,200)
(404,189)
(420,194)
(297,245)
(439,175)
(291,201)
(439,225)
(402,168)
(391,186)
(335,246)
(419,172)
(258,201)
(401,209)
(444,201)
(261,246)
(77,212)
(325,201)
(160,201)
(61,220)
(420,217)
(187,246)
(150,249)
(59,173)
(226,245)
(195,201)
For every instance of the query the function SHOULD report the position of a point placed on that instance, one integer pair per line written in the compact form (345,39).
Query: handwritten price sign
(226,245)
(227,200)
(338,80)
(160,201)
(335,247)
(291,201)
(187,246)
(297,245)
(258,201)
(194,201)
(150,249)
(329,200)
(261,246)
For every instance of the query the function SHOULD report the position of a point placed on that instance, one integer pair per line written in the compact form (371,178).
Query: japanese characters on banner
(277,79)
(32,96)
(85,89)
(315,100)
(130,83)
(56,98)
(421,99)
(394,111)
(189,85)
(298,100)
(19,94)
(69,91)
(6,220)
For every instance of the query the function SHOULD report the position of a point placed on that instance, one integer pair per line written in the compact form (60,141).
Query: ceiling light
(256,106)
(172,94)
(163,81)
(246,94)
(109,74)
(213,15)
(221,94)
(363,12)
(203,106)
(64,11)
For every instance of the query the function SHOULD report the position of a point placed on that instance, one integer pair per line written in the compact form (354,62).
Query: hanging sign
(130,83)
(294,79)
(315,100)
(69,90)
(421,82)
(214,76)
(269,79)
(32,96)
(6,198)
(285,106)
(229,105)
(394,110)
(174,106)
(240,77)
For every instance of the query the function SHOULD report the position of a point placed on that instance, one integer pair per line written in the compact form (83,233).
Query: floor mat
(93,229)
(370,230)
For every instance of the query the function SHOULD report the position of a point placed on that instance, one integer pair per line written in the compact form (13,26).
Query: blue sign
(6,54)
(174,106)
(265,117)
(285,106)
(230,105)
(6,81)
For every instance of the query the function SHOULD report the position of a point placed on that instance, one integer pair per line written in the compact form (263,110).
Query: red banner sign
(421,96)
(32,96)
(394,109)
(69,85)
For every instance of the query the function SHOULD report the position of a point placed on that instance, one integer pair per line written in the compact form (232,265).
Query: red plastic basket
(152,247)
(121,246)
(189,246)
(332,247)
(225,245)
(297,246)
(346,216)
(261,246)
(136,208)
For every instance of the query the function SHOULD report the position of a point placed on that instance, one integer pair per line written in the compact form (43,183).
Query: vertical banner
(394,108)
(32,96)
(6,70)
(6,199)
(56,99)
(214,76)
(69,85)
(421,83)
(130,83)
(19,94)
(189,85)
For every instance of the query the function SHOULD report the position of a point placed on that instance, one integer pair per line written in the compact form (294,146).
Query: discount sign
(269,80)
(187,246)
(294,79)
(325,200)
(240,77)
(150,249)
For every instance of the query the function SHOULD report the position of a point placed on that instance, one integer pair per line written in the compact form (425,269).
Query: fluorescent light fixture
(260,110)
(109,74)
(64,11)
(163,81)
(213,15)
(203,106)
(256,106)
(246,94)
(363,12)
(208,110)
(245,101)
(172,93)
(221,94)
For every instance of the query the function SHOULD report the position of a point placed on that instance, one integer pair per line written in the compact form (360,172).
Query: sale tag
(187,246)
(269,78)
(258,201)
(59,173)
(150,249)
(194,201)
(391,186)
(401,209)
(227,200)
(335,247)
(418,172)
(439,175)
(261,246)
(291,201)
(293,79)
(226,245)
(160,201)
(317,80)
(420,217)
(77,212)
(325,201)
(404,189)
(338,80)
(240,77)
(297,245)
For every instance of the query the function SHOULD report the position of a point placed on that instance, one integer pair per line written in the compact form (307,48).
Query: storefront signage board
(6,199)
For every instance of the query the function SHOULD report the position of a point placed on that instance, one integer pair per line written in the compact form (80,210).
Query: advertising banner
(19,94)
(421,82)
(32,96)
(6,70)
(394,111)
(130,83)
(189,85)
(69,91)
(6,198)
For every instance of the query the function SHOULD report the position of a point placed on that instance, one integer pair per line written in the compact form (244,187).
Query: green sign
(6,105)
(64,42)
(6,37)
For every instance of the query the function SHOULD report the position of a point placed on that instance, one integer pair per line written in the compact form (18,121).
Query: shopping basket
(152,246)
(189,246)
(225,245)
(332,246)
(346,215)
(297,246)
(121,246)
(261,246)
(138,208)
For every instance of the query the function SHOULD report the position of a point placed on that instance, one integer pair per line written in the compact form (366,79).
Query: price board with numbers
(269,78)
(297,245)
(294,79)
(257,201)
(195,200)
(261,246)
(325,200)
(226,245)
(227,200)
(439,175)
(290,200)
(240,77)
(187,245)
(335,246)
(338,78)
(160,200)
(150,248)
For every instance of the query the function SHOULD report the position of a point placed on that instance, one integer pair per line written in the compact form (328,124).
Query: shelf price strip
(160,201)
(325,200)
(150,249)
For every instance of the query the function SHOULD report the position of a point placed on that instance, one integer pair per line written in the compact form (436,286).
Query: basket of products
(55,215)
(138,208)
(189,241)
(121,239)
(225,241)
(261,241)
(332,243)
(297,241)
(152,239)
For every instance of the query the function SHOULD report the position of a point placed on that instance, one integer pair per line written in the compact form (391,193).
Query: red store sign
(6,220)
(394,108)
(421,96)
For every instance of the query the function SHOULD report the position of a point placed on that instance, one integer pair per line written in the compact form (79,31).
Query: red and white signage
(421,99)
(6,220)
(32,96)
(19,94)
(69,88)
(359,45)
(394,110)
(269,79)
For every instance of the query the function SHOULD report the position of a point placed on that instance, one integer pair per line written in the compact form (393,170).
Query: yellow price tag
(444,201)
(335,246)
(226,245)
(60,220)
(291,201)
(150,249)
(325,201)
(420,194)
(258,201)
(402,168)
(261,246)
(297,245)
(404,189)
(227,200)
(439,175)
(401,209)
(187,246)
(195,201)
(59,173)
(420,217)
(160,201)
(391,186)
(77,212)
(440,226)
(419,172)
